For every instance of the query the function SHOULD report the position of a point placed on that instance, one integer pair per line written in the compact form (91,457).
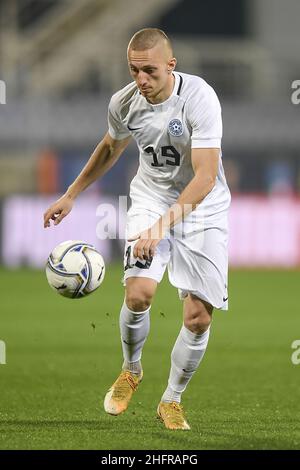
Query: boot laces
(175,413)
(121,386)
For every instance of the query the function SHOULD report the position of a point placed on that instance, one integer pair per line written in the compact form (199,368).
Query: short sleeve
(204,115)
(116,128)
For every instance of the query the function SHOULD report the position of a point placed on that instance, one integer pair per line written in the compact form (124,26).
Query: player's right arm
(102,159)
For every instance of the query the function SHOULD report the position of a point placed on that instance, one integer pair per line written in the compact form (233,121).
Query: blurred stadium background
(60,61)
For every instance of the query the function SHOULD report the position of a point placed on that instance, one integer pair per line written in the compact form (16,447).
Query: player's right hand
(58,210)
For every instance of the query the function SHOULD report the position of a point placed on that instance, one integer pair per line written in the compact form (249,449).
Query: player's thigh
(142,276)
(199,265)
(139,220)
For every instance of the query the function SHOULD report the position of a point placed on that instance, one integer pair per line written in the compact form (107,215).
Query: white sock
(134,328)
(186,356)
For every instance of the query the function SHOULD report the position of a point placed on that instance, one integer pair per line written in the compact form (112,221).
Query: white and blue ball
(74,269)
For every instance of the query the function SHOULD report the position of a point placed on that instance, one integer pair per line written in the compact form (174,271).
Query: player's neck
(165,93)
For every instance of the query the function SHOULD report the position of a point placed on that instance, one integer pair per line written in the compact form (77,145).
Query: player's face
(151,71)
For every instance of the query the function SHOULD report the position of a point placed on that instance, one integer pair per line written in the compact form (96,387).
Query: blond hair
(148,38)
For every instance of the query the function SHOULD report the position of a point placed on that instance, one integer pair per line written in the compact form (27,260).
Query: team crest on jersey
(175,127)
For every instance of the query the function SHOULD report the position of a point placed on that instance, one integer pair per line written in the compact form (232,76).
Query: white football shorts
(195,253)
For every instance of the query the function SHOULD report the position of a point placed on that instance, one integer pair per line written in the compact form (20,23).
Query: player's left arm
(205,162)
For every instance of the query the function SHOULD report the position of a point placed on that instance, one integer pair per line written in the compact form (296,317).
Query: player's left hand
(148,240)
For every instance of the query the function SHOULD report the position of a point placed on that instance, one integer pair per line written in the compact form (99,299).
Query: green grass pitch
(62,355)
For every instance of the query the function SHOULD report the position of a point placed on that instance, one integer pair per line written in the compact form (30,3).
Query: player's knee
(138,302)
(198,317)
(139,293)
(198,323)
(138,299)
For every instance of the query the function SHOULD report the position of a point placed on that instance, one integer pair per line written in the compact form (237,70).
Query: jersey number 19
(168,151)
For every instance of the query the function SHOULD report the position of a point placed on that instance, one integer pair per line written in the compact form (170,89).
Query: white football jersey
(165,134)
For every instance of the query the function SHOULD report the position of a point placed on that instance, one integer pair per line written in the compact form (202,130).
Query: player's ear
(172,64)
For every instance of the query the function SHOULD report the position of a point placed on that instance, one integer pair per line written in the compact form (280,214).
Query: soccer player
(178,215)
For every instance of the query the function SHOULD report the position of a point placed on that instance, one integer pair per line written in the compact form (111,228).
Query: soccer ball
(74,269)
